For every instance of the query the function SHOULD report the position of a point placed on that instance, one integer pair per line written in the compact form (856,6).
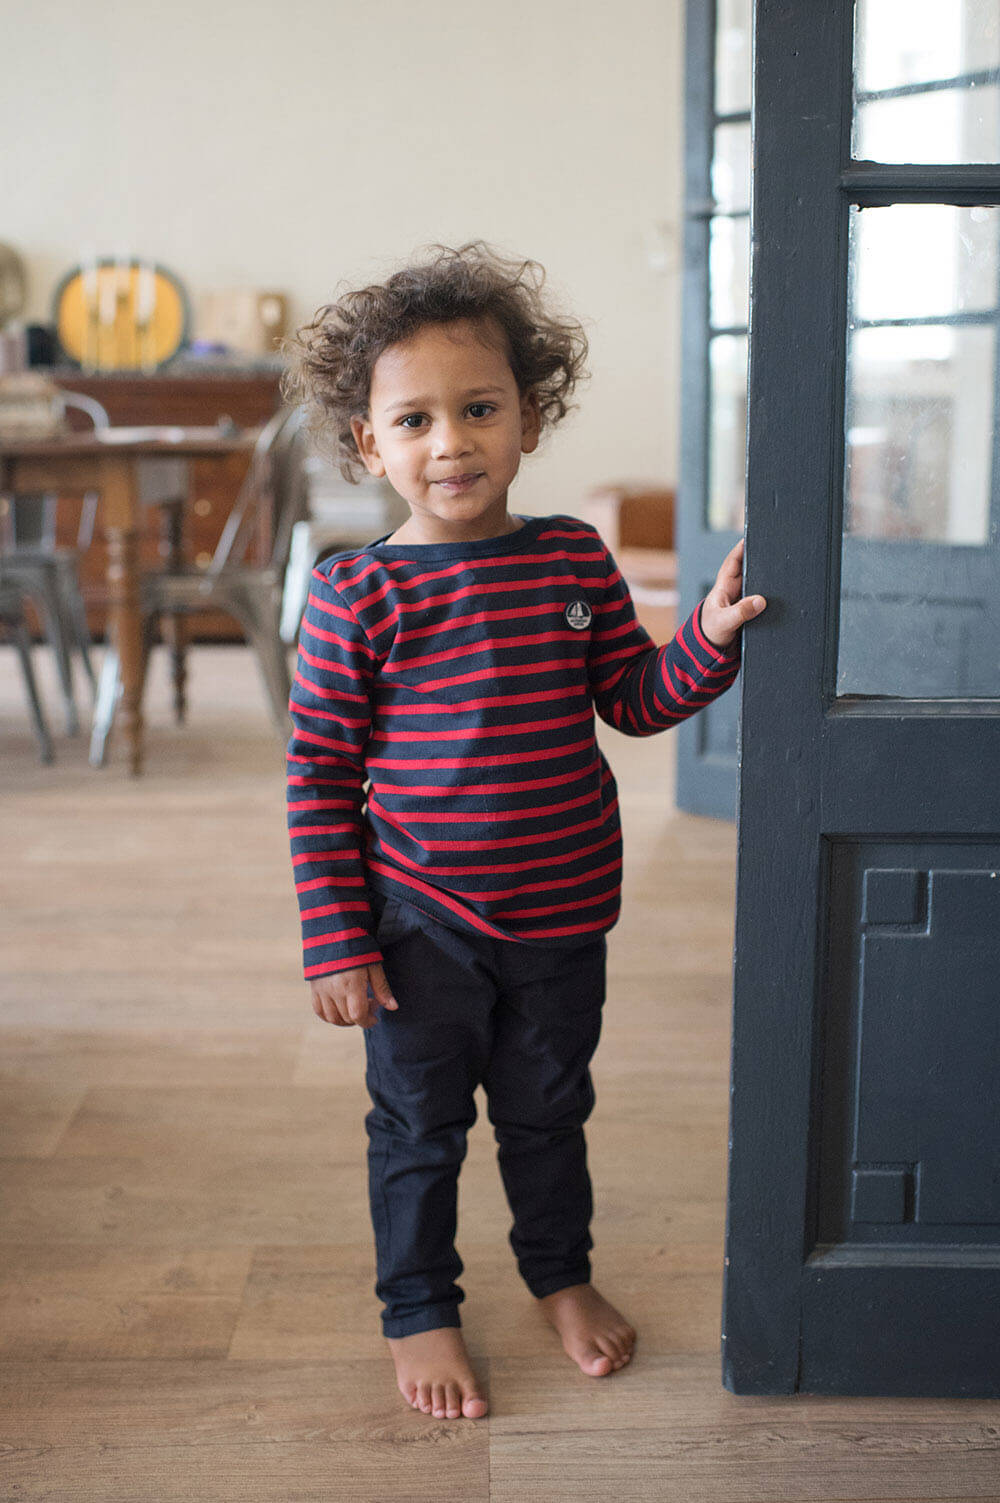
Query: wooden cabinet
(196,399)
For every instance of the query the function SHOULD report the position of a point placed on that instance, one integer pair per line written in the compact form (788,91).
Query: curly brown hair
(331,359)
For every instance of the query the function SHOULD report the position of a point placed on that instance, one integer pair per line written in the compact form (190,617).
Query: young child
(457,908)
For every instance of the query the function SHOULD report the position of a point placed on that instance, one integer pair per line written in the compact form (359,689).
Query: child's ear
(531,421)
(364,440)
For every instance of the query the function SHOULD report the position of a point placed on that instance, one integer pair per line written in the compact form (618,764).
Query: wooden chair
(271,500)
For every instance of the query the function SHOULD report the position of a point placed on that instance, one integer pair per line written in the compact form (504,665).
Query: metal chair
(32,562)
(272,498)
(15,627)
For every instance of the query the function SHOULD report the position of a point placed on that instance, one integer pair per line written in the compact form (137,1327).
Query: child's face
(447,426)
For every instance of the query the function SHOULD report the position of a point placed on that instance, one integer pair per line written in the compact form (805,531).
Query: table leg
(174,625)
(121,521)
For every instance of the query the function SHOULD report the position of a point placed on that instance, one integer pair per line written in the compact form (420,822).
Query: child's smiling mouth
(459,482)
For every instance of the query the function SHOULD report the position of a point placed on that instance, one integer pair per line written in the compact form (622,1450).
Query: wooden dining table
(108,461)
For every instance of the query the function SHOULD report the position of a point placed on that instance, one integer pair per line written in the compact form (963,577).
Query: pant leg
(424,1063)
(540,1093)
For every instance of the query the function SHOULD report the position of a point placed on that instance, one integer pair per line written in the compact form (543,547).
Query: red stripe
(476,618)
(568,929)
(441,897)
(300,831)
(493,869)
(316,882)
(583,531)
(484,816)
(328,609)
(512,670)
(494,843)
(482,644)
(538,755)
(347,721)
(328,968)
(516,891)
(475,588)
(537,696)
(323,635)
(313,738)
(335,938)
(397,566)
(321,803)
(327,908)
(329,666)
(319,761)
(297,780)
(483,732)
(674,695)
(449,790)
(519,913)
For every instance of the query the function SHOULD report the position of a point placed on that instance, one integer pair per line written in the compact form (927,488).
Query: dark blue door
(863,1227)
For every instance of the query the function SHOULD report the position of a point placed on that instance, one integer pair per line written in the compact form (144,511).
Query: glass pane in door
(732,56)
(731,168)
(729,271)
(727,447)
(920,586)
(927,81)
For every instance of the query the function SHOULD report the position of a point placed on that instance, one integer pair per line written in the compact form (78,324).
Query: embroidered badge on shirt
(579,615)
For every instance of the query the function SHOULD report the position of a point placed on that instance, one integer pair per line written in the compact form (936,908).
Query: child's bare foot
(594,1333)
(434,1374)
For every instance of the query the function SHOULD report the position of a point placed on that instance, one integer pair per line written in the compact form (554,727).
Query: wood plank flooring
(186,1260)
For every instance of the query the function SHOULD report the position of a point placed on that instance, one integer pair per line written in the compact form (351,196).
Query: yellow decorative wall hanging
(120,315)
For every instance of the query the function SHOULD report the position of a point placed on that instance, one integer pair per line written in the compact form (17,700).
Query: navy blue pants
(523,1021)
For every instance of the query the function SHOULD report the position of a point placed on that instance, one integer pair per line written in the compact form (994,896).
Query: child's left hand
(725,608)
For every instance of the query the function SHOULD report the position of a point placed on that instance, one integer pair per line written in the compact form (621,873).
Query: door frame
(706,775)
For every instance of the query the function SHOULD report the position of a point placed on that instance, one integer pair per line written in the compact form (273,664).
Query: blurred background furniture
(15,628)
(636,520)
(110,461)
(47,573)
(340,515)
(272,499)
(185,394)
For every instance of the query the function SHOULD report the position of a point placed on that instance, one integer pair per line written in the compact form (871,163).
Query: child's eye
(411,417)
(485,407)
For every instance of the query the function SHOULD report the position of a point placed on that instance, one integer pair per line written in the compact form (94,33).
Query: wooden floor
(187,1263)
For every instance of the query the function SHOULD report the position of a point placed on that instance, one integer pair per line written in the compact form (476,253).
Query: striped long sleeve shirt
(444,750)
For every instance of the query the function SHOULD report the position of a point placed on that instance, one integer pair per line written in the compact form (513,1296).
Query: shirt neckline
(504,542)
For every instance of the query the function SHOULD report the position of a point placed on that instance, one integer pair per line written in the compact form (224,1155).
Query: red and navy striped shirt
(459,682)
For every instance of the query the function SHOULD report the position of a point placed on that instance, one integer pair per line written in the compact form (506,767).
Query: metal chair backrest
(31,520)
(273,493)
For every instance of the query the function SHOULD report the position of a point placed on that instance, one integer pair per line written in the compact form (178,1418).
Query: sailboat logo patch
(579,615)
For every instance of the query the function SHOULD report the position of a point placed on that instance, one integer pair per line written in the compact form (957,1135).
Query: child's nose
(451,438)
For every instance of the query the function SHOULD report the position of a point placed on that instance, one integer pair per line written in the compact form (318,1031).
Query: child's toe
(453,1401)
(594,1361)
(473,1405)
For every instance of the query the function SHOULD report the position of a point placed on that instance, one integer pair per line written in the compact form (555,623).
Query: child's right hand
(348,997)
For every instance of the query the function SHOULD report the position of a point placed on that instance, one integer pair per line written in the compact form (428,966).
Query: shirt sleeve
(330,706)
(640,688)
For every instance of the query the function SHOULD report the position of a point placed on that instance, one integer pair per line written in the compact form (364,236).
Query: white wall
(297,145)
